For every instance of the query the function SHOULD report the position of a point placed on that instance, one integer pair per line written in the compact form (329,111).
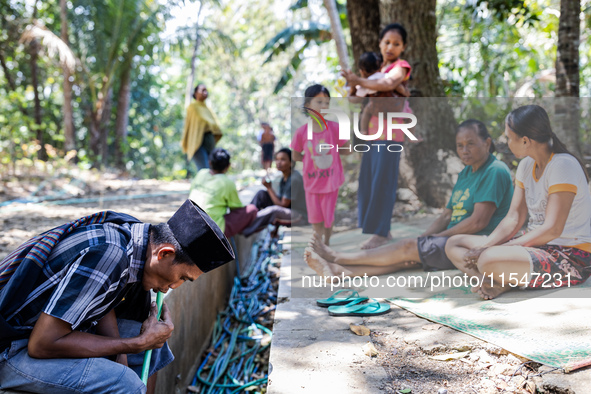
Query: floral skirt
(558,266)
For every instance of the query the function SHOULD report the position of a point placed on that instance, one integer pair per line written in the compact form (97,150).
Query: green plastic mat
(551,327)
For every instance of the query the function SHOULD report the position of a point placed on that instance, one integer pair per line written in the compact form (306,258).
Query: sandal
(333,300)
(354,308)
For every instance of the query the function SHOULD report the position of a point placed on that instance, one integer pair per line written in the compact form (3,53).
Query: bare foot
(317,263)
(476,289)
(322,249)
(376,241)
(488,292)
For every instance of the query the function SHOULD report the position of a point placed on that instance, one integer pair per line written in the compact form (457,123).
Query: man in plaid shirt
(75,313)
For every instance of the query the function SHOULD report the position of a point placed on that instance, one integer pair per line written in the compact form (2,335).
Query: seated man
(480,199)
(63,293)
(285,191)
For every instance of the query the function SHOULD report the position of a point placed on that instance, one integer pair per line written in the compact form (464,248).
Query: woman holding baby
(383,80)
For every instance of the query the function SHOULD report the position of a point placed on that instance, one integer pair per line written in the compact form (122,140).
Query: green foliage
(502,10)
(309,31)
(17,126)
(296,38)
(299,4)
(253,56)
(497,48)
(306,34)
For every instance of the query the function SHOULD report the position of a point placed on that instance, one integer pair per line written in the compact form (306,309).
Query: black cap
(200,237)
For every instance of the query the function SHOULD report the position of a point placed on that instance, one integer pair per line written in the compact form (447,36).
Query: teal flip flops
(334,300)
(355,308)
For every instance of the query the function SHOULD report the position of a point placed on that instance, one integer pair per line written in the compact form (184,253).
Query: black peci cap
(200,237)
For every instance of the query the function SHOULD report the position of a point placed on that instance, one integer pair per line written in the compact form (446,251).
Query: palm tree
(207,38)
(69,141)
(119,28)
(300,36)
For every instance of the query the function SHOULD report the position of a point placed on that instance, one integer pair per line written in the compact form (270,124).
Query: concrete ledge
(314,353)
(194,307)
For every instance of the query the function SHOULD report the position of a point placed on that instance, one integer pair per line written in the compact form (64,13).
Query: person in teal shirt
(479,201)
(489,183)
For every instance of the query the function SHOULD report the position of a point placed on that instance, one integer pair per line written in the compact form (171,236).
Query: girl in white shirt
(552,186)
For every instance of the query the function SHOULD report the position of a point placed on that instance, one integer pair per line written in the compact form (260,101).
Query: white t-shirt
(563,173)
(362,92)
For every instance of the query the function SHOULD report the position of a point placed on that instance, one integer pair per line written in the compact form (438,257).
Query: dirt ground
(486,369)
(19,222)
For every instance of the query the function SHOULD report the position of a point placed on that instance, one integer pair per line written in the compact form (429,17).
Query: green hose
(236,349)
(148,353)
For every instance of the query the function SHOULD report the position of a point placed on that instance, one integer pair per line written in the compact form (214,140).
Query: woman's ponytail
(558,146)
(532,121)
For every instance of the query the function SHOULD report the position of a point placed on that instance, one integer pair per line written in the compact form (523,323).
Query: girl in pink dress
(323,172)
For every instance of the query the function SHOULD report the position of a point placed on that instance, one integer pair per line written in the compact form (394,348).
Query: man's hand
(266,183)
(155,333)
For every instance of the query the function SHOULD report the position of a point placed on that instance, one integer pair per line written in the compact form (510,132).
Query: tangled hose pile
(238,357)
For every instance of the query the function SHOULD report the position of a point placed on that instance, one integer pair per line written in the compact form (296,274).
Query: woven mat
(552,327)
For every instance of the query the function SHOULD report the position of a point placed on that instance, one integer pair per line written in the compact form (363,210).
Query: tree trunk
(95,138)
(567,117)
(99,125)
(337,33)
(105,127)
(69,132)
(191,80)
(42,155)
(11,84)
(432,159)
(122,119)
(364,24)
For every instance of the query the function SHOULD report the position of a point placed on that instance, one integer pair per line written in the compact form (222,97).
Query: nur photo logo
(392,123)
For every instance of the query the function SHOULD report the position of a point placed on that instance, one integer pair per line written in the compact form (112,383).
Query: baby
(369,67)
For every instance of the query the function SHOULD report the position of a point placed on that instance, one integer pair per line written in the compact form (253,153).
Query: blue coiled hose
(231,364)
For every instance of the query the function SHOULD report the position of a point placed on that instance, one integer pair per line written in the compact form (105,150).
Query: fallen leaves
(370,350)
(432,327)
(359,330)
(449,356)
(530,387)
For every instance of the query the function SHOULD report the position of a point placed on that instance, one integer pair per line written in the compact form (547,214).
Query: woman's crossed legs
(500,268)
